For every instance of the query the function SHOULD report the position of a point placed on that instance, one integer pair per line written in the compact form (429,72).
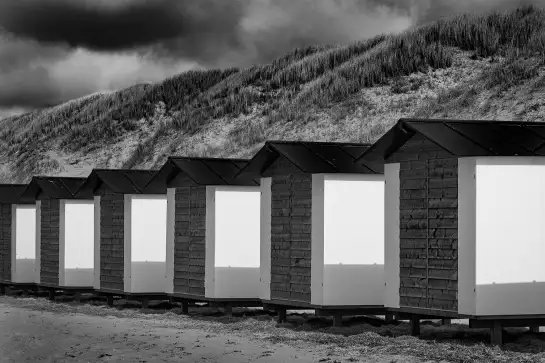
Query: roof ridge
(206,158)
(326,161)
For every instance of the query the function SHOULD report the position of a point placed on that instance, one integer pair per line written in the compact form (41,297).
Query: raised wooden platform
(495,323)
(227,304)
(25,287)
(75,291)
(143,297)
(336,311)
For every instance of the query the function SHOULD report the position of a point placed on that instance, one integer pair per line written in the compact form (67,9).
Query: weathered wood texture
(49,244)
(189,236)
(112,243)
(428,225)
(5,242)
(291,203)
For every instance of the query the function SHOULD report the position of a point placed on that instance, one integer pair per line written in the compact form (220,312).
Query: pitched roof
(52,186)
(311,157)
(464,138)
(11,193)
(203,171)
(121,181)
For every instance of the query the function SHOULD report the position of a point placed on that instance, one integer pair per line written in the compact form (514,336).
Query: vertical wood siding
(428,225)
(291,203)
(49,244)
(111,239)
(5,242)
(189,236)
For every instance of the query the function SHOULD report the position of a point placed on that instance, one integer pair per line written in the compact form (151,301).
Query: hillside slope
(471,67)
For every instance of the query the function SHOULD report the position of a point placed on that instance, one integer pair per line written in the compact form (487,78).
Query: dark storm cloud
(103,26)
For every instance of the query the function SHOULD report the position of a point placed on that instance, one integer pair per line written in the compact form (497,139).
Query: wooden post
(281,315)
(185,307)
(446,322)
(77,297)
(338,320)
(415,326)
(389,317)
(2,290)
(496,333)
(52,294)
(110,300)
(145,303)
(228,310)
(25,291)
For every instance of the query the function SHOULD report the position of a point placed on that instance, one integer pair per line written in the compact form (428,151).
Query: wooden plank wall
(112,243)
(429,225)
(291,203)
(189,236)
(49,244)
(5,242)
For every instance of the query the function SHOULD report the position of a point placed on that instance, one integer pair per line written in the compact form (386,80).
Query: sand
(41,336)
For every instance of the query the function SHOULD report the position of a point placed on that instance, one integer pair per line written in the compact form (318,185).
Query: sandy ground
(31,336)
(37,330)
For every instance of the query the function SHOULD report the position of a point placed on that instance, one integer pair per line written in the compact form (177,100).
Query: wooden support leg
(77,297)
(51,294)
(2,290)
(25,291)
(338,320)
(389,317)
(415,326)
(446,322)
(496,337)
(228,310)
(534,328)
(110,300)
(281,315)
(145,303)
(185,307)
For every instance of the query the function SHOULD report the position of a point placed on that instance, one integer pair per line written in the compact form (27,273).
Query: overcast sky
(55,50)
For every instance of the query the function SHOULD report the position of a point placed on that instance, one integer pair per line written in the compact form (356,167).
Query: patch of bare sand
(44,336)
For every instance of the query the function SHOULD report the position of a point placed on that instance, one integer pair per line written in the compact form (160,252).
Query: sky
(52,51)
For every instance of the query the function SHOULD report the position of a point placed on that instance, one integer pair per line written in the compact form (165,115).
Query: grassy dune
(348,92)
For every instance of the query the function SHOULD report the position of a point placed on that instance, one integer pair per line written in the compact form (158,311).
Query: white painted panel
(353,240)
(148,243)
(466,236)
(62,247)
(510,235)
(96,270)
(391,235)
(79,248)
(317,241)
(23,242)
(210,247)
(237,230)
(265,240)
(236,282)
(127,230)
(171,208)
(38,241)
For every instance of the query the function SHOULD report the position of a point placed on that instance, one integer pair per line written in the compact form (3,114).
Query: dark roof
(11,193)
(311,157)
(52,186)
(464,138)
(203,171)
(122,181)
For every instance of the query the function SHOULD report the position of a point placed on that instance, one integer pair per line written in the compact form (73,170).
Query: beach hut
(322,228)
(17,239)
(130,235)
(64,235)
(213,231)
(465,204)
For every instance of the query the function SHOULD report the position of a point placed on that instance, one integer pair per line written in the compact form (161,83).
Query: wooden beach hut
(130,235)
(62,235)
(213,231)
(322,228)
(465,204)
(17,239)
